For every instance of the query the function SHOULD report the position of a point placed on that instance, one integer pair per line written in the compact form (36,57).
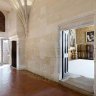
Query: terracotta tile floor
(22,83)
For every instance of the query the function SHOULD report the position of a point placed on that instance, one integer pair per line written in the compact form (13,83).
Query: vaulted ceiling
(5,5)
(22,8)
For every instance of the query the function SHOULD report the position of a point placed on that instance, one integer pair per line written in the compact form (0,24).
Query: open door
(64,53)
(14,53)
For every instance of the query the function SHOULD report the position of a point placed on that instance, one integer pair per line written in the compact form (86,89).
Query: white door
(64,53)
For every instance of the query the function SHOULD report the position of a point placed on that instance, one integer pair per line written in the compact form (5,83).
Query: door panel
(65,50)
(64,53)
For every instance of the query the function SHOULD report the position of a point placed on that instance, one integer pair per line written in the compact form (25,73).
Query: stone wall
(41,49)
(12,23)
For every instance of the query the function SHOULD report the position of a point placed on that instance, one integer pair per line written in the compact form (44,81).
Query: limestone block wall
(16,33)
(21,44)
(41,50)
(12,23)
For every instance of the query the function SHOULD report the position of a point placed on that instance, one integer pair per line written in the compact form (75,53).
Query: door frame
(14,38)
(77,22)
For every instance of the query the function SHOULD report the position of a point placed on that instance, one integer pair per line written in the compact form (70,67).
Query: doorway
(77,52)
(81,51)
(14,54)
(77,57)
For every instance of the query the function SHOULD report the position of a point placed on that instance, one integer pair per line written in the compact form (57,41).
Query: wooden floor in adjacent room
(23,83)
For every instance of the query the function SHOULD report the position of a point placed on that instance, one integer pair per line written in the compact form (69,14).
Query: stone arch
(2,22)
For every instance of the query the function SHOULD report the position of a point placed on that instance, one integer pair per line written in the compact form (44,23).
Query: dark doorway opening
(14,53)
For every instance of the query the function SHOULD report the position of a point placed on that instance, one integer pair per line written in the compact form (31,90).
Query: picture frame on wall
(90,36)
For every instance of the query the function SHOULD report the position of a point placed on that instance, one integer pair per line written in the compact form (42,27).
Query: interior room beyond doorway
(81,51)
